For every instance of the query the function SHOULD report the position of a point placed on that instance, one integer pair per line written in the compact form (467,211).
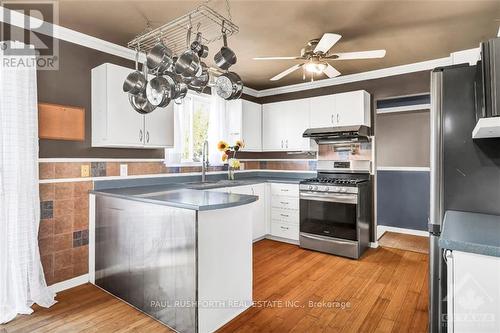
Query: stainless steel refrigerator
(465,173)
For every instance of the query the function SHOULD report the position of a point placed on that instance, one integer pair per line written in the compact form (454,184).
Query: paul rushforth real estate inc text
(244,304)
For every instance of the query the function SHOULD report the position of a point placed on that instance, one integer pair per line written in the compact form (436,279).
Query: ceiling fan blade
(358,55)
(286,72)
(330,71)
(326,42)
(277,58)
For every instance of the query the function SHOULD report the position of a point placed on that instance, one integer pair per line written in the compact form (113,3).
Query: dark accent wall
(71,85)
(403,199)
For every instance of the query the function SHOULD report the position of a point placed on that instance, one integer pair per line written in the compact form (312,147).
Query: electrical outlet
(85,170)
(123,170)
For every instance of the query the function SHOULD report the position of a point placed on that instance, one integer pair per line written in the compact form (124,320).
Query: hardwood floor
(405,242)
(385,291)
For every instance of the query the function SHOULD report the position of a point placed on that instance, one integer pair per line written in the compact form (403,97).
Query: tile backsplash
(64,206)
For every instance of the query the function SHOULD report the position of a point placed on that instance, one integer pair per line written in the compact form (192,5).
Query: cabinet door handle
(147,136)
(333,121)
(281,143)
(140,135)
(284,215)
(338,118)
(284,190)
(284,228)
(283,202)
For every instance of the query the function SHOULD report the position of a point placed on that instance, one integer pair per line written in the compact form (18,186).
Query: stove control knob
(310,187)
(334,189)
(315,188)
(343,190)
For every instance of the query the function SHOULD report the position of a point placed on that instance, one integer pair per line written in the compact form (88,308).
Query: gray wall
(70,85)
(403,199)
(403,139)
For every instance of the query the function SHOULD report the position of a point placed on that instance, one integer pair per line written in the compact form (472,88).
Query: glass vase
(230,173)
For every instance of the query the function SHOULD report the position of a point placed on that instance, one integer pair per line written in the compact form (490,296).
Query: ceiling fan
(316,54)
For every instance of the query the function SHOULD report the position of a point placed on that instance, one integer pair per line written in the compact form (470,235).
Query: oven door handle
(330,197)
(327,239)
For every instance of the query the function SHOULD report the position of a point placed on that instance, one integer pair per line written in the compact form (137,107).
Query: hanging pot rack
(202,19)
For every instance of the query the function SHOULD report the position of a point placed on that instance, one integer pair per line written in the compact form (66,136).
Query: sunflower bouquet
(229,155)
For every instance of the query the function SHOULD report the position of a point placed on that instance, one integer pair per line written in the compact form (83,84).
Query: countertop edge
(249,200)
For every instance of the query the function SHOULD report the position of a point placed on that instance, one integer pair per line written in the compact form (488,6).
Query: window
(194,120)
(191,129)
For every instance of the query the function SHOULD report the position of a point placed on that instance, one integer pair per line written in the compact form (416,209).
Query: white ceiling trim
(75,37)
(17,19)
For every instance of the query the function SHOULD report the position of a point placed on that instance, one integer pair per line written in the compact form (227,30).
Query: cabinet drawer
(287,216)
(282,202)
(285,230)
(291,190)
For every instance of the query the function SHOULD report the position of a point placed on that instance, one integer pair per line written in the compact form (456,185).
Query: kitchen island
(179,254)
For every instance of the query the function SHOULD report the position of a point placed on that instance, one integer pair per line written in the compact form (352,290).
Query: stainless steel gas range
(335,213)
(336,206)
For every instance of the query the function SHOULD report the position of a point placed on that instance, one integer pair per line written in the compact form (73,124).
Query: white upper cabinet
(114,121)
(323,111)
(159,127)
(283,125)
(352,108)
(244,121)
(344,109)
(252,126)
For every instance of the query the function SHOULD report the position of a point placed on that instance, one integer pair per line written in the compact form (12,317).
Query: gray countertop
(471,232)
(190,194)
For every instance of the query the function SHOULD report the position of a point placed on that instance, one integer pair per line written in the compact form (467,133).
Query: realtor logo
(27,30)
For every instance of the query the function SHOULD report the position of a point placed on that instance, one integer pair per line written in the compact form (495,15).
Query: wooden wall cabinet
(116,124)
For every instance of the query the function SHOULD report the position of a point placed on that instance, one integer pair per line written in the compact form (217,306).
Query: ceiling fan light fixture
(315,67)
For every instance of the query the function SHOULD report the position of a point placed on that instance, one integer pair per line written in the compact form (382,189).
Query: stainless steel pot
(188,63)
(229,86)
(159,58)
(198,47)
(225,58)
(135,82)
(199,83)
(159,90)
(140,103)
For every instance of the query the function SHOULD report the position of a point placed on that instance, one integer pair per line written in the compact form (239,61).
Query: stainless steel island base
(166,261)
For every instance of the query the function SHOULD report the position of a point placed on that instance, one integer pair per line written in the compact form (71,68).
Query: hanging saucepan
(225,58)
(199,83)
(198,47)
(229,86)
(140,101)
(159,58)
(188,63)
(159,90)
(135,82)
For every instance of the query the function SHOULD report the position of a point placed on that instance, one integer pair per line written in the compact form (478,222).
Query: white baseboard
(71,283)
(373,245)
(381,229)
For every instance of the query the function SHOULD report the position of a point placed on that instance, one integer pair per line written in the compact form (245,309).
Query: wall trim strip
(161,175)
(91,159)
(418,169)
(381,229)
(68,284)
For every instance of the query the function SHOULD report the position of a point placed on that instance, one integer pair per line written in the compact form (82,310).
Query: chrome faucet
(204,161)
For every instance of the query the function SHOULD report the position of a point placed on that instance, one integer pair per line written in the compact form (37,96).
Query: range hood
(487,91)
(344,134)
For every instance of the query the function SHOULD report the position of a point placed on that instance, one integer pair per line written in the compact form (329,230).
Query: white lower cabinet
(275,213)
(473,292)
(285,211)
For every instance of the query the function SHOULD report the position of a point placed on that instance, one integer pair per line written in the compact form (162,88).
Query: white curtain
(22,282)
(217,127)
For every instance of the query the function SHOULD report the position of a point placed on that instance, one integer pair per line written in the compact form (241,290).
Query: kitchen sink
(215,184)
